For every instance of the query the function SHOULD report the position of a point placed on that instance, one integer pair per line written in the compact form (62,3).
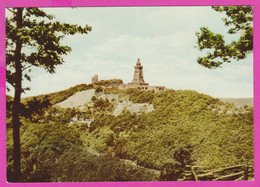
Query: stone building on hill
(138,80)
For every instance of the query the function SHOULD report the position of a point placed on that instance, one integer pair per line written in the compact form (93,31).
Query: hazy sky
(162,37)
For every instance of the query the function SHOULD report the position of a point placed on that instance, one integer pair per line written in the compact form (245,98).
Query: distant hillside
(239,101)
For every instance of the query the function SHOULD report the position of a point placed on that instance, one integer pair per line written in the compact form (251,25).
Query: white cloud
(162,37)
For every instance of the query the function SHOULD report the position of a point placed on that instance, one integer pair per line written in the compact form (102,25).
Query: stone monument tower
(138,79)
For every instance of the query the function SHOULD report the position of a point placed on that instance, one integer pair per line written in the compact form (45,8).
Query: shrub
(99,89)
(42,144)
(79,165)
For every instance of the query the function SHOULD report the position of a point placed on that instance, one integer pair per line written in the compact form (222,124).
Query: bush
(79,165)
(42,144)
(171,172)
(99,89)
(111,82)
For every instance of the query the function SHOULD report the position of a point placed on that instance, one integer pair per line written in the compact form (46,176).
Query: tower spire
(138,74)
(138,80)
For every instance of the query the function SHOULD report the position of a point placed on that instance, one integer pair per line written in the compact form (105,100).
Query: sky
(162,37)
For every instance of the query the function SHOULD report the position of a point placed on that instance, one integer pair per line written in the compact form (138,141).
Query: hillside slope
(180,119)
(153,129)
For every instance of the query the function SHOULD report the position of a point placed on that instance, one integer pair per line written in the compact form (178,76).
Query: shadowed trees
(33,39)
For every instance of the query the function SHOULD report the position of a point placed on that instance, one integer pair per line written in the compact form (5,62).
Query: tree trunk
(17,99)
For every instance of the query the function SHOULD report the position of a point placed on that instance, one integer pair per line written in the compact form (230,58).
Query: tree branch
(10,10)
(27,67)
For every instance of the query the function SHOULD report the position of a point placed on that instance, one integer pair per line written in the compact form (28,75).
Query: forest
(184,128)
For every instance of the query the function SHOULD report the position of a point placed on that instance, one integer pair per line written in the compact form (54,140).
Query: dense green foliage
(33,39)
(79,165)
(182,119)
(185,128)
(111,82)
(53,150)
(139,96)
(238,19)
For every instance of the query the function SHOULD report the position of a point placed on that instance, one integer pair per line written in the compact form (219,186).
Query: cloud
(162,37)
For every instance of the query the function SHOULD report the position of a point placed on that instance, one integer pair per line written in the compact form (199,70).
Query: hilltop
(145,130)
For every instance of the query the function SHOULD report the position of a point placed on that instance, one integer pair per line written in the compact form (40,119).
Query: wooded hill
(90,143)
